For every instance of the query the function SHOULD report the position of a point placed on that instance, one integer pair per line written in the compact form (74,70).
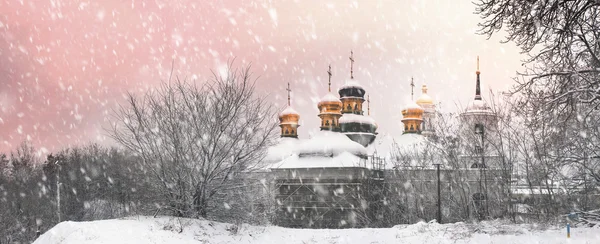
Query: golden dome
(412,110)
(424,98)
(412,117)
(289,116)
(330,100)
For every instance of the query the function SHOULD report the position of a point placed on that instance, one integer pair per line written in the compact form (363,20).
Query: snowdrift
(177,230)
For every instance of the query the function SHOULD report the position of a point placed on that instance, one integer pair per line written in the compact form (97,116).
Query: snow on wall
(343,160)
(329,144)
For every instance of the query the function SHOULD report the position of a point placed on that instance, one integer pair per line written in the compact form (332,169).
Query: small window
(327,123)
(293,132)
(286,131)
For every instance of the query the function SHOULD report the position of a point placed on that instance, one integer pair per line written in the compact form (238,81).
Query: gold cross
(351,64)
(288,90)
(329,73)
(369,105)
(412,88)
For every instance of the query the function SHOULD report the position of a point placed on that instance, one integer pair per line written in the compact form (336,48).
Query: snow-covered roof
(289,110)
(329,97)
(412,105)
(342,160)
(478,107)
(411,142)
(284,148)
(355,118)
(328,143)
(351,83)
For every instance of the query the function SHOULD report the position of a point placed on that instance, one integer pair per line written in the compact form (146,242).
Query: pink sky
(64,65)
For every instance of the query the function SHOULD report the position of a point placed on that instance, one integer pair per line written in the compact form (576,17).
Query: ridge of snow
(330,143)
(329,97)
(165,230)
(289,110)
(342,160)
(351,83)
(284,148)
(355,118)
(412,105)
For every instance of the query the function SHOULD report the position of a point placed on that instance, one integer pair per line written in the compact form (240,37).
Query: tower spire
(412,89)
(288,91)
(351,64)
(477,64)
(329,73)
(369,105)
(478,83)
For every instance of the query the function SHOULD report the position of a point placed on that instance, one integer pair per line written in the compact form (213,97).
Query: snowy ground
(167,230)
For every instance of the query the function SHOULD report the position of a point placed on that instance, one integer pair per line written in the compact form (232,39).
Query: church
(350,175)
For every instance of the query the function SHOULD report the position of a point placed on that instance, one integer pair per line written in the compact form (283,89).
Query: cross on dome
(288,90)
(412,89)
(369,105)
(329,73)
(351,64)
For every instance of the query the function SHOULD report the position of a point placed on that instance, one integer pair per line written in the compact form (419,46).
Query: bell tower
(412,115)
(288,119)
(330,109)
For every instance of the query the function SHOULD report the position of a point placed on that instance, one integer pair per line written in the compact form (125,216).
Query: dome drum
(330,112)
(288,122)
(352,105)
(330,122)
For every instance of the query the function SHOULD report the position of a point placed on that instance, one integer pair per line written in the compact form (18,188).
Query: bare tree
(193,140)
(561,38)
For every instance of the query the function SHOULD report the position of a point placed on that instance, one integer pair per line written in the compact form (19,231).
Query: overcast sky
(64,65)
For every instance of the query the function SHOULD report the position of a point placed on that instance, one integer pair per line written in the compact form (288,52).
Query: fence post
(568,230)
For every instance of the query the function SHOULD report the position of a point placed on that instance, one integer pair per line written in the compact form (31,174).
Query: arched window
(348,107)
(412,127)
(293,132)
(286,131)
(327,123)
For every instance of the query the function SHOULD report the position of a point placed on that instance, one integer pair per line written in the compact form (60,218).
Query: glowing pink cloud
(64,65)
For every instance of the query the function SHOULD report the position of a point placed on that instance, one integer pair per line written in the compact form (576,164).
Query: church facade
(348,175)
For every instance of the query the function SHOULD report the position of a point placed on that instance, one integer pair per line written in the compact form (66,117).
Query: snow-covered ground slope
(169,230)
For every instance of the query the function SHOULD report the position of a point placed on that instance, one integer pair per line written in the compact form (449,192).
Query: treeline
(184,150)
(80,183)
